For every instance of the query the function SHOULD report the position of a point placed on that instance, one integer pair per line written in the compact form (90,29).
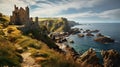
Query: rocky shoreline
(88,58)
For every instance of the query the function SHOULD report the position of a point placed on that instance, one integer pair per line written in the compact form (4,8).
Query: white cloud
(113,14)
(47,8)
(7,6)
(79,15)
(50,8)
(110,14)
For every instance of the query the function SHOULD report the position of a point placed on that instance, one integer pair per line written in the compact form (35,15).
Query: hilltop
(4,20)
(57,24)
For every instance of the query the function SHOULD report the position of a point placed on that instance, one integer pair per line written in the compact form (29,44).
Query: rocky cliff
(111,58)
(73,23)
(55,24)
(89,59)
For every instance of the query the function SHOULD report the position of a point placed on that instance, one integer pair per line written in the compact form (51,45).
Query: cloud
(7,6)
(113,14)
(110,14)
(49,8)
(79,15)
(55,8)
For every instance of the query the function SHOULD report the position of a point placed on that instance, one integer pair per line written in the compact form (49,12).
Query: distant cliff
(57,24)
(73,23)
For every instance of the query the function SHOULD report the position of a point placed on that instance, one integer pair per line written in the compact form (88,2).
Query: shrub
(1,32)
(38,54)
(8,56)
(33,45)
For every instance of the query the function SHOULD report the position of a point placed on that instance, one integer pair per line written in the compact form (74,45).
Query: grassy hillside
(4,20)
(13,44)
(55,24)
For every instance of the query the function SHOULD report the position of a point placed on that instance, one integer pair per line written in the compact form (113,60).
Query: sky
(94,11)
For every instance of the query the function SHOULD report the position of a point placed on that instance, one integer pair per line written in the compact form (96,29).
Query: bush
(57,62)
(1,32)
(8,56)
(38,54)
(33,45)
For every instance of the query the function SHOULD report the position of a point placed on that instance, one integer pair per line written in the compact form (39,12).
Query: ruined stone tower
(20,16)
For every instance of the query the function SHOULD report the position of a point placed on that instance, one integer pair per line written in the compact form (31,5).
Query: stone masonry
(20,16)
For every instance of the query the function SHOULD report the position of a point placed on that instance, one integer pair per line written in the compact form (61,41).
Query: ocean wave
(97,50)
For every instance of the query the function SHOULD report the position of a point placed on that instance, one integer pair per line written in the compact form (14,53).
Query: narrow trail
(28,61)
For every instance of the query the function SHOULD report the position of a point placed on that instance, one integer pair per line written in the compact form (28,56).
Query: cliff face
(89,59)
(111,58)
(55,24)
(73,23)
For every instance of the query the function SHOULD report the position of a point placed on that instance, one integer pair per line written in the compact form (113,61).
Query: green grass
(41,47)
(8,56)
(54,24)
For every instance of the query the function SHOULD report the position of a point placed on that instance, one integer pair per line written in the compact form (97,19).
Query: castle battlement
(20,16)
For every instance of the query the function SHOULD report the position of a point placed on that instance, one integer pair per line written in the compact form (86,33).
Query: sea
(82,44)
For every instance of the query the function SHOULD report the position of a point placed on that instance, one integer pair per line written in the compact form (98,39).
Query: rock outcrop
(104,40)
(81,35)
(111,58)
(71,53)
(99,35)
(89,34)
(74,31)
(73,23)
(89,59)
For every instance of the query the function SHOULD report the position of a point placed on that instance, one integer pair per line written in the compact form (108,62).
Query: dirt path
(28,61)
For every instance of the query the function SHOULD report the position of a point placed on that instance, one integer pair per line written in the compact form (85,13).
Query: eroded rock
(89,58)
(89,34)
(104,40)
(111,58)
(81,35)
(99,35)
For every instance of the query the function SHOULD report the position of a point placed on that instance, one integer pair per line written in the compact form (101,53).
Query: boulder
(75,31)
(94,31)
(88,30)
(104,40)
(99,35)
(81,29)
(81,35)
(89,34)
(111,58)
(71,41)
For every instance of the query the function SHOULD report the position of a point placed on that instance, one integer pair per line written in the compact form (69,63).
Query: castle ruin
(20,16)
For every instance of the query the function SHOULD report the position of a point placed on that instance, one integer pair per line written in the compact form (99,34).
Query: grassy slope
(11,39)
(55,24)
(4,17)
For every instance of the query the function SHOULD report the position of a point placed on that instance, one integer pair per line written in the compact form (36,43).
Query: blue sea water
(108,29)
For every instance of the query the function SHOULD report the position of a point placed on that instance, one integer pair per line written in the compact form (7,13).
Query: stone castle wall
(19,16)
